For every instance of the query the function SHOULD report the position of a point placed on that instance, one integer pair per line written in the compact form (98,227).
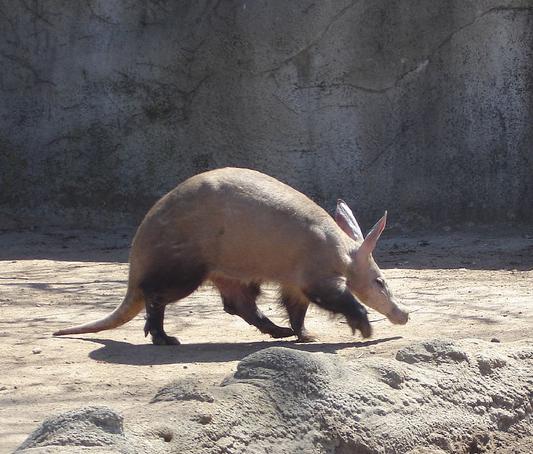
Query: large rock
(420,106)
(87,427)
(434,396)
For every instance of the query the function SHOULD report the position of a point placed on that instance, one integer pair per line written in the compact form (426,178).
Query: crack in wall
(66,137)
(387,149)
(158,97)
(315,41)
(38,12)
(25,64)
(9,20)
(420,66)
(98,17)
(495,9)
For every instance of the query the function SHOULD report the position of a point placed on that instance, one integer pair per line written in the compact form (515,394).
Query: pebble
(495,339)
(205,418)
(36,351)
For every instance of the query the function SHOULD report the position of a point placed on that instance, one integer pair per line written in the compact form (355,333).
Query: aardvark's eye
(380,282)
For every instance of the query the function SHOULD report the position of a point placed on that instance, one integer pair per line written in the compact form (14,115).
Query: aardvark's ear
(347,222)
(373,236)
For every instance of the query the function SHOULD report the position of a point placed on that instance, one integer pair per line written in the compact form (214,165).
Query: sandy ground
(458,284)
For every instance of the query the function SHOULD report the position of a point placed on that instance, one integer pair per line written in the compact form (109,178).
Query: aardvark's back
(240,223)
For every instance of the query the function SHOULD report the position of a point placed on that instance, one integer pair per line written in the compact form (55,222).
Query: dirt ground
(457,284)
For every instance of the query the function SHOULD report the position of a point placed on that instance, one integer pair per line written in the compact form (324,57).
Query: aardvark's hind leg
(155,315)
(168,284)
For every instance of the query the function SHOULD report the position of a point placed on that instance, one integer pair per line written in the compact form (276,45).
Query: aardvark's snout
(398,316)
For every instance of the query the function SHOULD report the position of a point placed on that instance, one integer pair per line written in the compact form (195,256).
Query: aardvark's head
(365,280)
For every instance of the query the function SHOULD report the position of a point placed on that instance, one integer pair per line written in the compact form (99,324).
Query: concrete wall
(423,107)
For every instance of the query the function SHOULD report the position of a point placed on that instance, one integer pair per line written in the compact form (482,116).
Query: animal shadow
(117,352)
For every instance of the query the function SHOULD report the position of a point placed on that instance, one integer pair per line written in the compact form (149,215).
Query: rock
(182,389)
(205,418)
(436,350)
(435,396)
(88,426)
(36,351)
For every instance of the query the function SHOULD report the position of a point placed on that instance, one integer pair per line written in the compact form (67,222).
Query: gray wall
(423,107)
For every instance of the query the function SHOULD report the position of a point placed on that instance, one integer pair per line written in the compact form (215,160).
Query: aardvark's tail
(133,304)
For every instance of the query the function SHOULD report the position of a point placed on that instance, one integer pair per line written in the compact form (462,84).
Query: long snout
(398,315)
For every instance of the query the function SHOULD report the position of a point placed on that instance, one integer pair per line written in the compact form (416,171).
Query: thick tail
(133,304)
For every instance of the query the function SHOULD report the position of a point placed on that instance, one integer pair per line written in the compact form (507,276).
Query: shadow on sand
(117,352)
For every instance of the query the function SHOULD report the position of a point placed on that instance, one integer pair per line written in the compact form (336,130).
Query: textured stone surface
(435,396)
(422,107)
(182,389)
(89,426)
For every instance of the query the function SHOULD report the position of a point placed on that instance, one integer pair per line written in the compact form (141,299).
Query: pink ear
(346,221)
(373,236)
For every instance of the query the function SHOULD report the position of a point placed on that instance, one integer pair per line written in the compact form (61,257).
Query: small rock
(495,339)
(36,351)
(3,388)
(205,418)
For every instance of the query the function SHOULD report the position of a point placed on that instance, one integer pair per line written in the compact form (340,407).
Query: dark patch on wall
(13,183)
